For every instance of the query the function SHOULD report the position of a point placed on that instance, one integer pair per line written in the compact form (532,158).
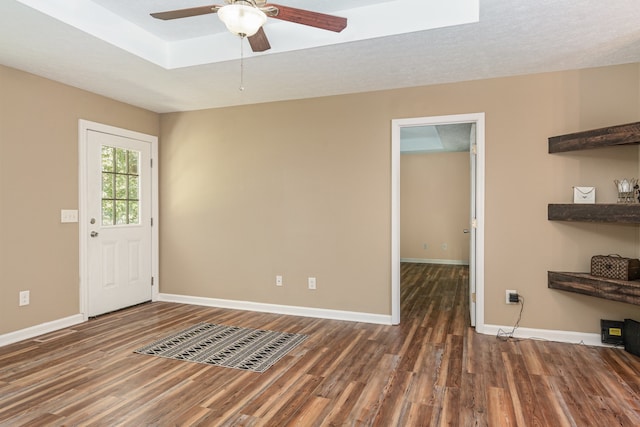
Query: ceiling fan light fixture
(241,19)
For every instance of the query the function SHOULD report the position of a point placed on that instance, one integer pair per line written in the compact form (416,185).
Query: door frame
(84,126)
(396,125)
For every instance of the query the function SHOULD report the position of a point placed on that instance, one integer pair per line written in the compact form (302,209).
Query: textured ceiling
(511,38)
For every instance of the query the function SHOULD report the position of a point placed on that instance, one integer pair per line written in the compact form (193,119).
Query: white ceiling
(436,138)
(113,48)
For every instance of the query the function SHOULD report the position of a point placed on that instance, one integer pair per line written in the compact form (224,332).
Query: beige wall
(251,192)
(302,188)
(38,177)
(435,191)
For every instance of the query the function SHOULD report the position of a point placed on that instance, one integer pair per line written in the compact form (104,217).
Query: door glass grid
(120,186)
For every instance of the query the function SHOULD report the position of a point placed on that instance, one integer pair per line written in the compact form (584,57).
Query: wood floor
(431,370)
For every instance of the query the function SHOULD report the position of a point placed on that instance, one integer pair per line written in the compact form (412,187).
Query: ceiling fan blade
(185,13)
(307,17)
(259,41)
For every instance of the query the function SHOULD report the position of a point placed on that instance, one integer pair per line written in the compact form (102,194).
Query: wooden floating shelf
(586,284)
(627,134)
(598,212)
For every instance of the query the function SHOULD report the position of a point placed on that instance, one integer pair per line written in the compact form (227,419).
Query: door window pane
(107,186)
(121,212)
(120,186)
(133,162)
(133,187)
(108,154)
(133,213)
(121,160)
(107,212)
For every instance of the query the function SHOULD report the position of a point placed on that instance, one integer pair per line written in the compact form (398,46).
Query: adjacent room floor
(433,369)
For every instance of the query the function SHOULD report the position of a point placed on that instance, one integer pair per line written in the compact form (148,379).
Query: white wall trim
(84,126)
(321,313)
(522,333)
(436,261)
(569,337)
(43,328)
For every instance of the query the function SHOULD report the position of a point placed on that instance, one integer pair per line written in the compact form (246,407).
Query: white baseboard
(43,328)
(321,313)
(570,337)
(548,335)
(435,261)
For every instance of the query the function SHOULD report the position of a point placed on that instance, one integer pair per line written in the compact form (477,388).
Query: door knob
(94,234)
(465,231)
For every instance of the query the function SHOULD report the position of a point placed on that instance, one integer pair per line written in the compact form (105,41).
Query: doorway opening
(475,227)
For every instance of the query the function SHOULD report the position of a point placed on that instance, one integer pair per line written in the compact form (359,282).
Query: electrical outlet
(507,296)
(312,282)
(444,246)
(278,280)
(24,298)
(425,246)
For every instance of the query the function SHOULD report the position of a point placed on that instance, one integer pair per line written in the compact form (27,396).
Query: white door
(472,229)
(118,233)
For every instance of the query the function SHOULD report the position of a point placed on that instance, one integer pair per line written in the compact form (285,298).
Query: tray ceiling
(113,48)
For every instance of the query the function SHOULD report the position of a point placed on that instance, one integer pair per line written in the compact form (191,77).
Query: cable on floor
(504,335)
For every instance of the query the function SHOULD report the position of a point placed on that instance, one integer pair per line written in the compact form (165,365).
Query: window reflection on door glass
(120,186)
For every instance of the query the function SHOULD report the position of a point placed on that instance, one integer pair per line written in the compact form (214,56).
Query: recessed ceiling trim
(379,20)
(105,25)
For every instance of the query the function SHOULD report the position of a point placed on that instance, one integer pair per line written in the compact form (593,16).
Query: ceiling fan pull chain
(241,88)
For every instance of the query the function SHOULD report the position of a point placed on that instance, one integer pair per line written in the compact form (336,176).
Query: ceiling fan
(246,17)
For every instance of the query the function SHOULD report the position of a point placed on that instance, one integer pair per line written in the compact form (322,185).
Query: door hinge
(473,297)
(474,223)
(152,282)
(151,161)
(474,148)
(152,222)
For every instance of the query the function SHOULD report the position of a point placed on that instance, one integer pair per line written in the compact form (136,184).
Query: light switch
(69,215)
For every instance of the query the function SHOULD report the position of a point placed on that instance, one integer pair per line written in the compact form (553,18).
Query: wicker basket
(615,267)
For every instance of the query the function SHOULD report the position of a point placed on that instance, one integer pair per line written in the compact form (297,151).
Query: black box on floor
(632,336)
(612,331)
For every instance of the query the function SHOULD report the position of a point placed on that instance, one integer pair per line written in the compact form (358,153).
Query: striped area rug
(229,346)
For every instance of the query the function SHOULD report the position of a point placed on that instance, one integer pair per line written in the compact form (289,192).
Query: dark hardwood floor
(431,370)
